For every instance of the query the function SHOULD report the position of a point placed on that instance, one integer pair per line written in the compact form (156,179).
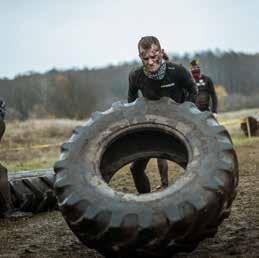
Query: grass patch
(241,141)
(29,165)
(55,132)
(29,159)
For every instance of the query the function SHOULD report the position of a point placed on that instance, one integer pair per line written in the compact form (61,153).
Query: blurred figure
(5,196)
(207,99)
(2,109)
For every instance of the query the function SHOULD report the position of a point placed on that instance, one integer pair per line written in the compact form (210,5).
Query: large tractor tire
(33,191)
(156,224)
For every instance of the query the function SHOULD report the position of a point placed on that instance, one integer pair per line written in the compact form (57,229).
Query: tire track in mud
(238,236)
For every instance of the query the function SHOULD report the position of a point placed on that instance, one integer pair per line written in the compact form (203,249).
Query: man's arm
(188,84)
(133,90)
(213,95)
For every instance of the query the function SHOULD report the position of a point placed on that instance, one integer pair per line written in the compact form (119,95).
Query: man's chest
(202,85)
(168,84)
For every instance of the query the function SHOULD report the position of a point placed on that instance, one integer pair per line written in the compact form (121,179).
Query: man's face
(196,72)
(151,58)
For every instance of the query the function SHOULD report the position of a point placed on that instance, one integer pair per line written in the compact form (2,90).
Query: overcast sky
(37,35)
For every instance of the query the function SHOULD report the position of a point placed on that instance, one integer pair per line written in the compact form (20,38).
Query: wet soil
(47,235)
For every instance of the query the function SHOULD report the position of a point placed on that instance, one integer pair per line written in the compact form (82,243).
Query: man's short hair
(147,41)
(194,62)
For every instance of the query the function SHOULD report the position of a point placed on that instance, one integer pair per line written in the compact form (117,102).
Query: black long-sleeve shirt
(176,82)
(206,95)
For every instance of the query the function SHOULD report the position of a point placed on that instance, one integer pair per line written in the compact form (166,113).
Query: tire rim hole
(143,143)
(123,181)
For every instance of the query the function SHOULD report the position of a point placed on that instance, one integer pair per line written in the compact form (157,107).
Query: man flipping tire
(157,78)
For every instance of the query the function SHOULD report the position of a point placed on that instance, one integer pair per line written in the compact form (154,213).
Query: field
(35,144)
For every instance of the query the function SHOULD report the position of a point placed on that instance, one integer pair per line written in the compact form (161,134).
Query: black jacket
(206,95)
(176,83)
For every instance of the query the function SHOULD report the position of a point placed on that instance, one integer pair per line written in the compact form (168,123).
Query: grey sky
(41,34)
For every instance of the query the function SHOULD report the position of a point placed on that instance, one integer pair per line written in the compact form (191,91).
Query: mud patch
(47,235)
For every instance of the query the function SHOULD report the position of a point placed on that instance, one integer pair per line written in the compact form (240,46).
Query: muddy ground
(47,235)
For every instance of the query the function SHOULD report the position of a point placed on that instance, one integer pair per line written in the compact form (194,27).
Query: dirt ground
(47,235)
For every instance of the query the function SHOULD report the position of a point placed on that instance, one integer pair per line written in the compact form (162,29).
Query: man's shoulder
(206,78)
(136,74)
(176,67)
(136,71)
(173,65)
(178,70)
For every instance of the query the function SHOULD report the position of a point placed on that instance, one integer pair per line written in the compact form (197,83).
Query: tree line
(77,93)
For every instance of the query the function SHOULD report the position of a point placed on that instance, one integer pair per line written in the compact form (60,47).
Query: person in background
(207,99)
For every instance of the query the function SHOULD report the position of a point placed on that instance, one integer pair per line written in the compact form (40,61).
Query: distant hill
(76,93)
